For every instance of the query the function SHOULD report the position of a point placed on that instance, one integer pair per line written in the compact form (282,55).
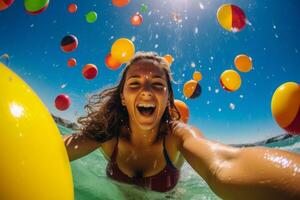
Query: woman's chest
(144,162)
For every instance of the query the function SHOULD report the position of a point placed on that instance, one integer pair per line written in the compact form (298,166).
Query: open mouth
(146,109)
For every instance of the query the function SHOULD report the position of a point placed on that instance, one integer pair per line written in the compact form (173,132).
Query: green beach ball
(91,17)
(35,6)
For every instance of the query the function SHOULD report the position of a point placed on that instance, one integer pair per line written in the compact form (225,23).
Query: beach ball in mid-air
(136,19)
(183,110)
(197,76)
(91,17)
(112,63)
(169,58)
(230,80)
(69,43)
(192,89)
(231,17)
(72,8)
(5,4)
(34,161)
(35,6)
(120,3)
(122,50)
(285,106)
(72,62)
(243,63)
(62,102)
(89,71)
(144,8)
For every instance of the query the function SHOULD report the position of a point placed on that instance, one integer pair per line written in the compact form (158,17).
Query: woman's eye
(158,85)
(134,85)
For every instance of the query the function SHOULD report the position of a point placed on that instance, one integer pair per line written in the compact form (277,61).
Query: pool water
(91,183)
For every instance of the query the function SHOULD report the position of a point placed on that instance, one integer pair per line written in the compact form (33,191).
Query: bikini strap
(168,161)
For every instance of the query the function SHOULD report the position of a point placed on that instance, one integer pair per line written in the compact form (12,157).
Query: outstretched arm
(78,145)
(240,173)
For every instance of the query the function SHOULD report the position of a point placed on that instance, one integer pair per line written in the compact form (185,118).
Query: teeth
(146,105)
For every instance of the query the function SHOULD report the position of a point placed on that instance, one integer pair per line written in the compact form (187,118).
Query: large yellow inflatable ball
(231,17)
(285,106)
(35,6)
(191,89)
(243,63)
(5,4)
(230,80)
(34,162)
(122,50)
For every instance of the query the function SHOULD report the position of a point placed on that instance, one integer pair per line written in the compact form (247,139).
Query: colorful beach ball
(35,6)
(243,63)
(197,76)
(72,8)
(231,17)
(169,58)
(136,19)
(5,4)
(230,80)
(89,71)
(192,89)
(62,102)
(285,106)
(120,3)
(144,8)
(72,62)
(183,110)
(91,17)
(69,43)
(112,63)
(122,50)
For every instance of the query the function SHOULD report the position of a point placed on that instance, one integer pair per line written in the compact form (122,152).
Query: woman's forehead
(146,68)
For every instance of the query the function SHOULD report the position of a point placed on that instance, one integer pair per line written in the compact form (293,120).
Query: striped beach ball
(231,17)
(192,89)
(5,4)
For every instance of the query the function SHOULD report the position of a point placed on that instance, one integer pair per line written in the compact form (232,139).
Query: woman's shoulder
(108,147)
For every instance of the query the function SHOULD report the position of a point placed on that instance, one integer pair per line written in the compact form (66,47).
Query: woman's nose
(146,93)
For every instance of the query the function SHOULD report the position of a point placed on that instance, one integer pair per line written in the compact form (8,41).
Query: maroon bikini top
(161,182)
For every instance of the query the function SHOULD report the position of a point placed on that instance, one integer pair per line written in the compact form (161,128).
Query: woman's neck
(141,137)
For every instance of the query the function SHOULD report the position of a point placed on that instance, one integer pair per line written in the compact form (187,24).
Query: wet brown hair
(106,116)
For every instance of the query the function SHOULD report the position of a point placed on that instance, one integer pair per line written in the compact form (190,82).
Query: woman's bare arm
(78,145)
(241,173)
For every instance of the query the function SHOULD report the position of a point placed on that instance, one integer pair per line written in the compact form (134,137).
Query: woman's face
(145,94)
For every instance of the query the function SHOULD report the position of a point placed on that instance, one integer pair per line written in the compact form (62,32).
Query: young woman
(136,125)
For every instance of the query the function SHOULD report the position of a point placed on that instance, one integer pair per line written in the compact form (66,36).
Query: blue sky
(271,38)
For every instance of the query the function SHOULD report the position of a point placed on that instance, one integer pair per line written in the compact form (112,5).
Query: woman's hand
(78,145)
(183,131)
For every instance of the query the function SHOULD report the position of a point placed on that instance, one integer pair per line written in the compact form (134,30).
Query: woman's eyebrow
(134,76)
(153,77)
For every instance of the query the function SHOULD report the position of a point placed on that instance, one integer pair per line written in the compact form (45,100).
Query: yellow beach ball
(243,63)
(122,50)
(285,106)
(169,58)
(34,163)
(197,76)
(230,80)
